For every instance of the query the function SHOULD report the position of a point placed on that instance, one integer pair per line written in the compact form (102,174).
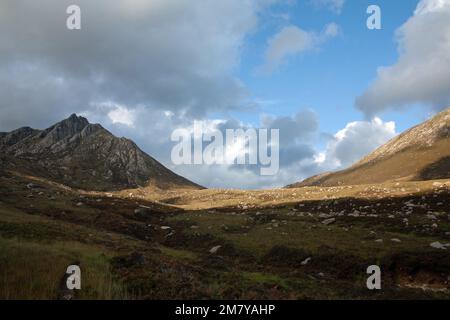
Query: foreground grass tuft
(34,270)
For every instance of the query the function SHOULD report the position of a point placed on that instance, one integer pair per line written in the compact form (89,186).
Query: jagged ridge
(84,155)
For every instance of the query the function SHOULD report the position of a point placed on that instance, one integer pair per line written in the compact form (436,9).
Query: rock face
(421,153)
(83,155)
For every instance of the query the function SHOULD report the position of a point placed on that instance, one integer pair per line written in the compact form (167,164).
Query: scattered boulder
(214,250)
(170,234)
(306,261)
(438,245)
(329,221)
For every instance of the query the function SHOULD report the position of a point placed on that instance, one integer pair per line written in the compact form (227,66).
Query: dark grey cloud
(293,129)
(296,146)
(295,153)
(142,69)
(296,157)
(299,156)
(171,55)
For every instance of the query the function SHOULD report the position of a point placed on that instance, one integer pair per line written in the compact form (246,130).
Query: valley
(74,194)
(312,243)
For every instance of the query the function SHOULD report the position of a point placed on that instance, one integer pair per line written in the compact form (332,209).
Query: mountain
(421,153)
(83,155)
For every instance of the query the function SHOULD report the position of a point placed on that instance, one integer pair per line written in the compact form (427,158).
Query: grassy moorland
(306,243)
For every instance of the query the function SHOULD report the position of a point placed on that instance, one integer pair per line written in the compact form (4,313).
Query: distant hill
(83,155)
(421,153)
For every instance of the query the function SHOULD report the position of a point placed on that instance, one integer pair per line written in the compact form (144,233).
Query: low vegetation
(309,243)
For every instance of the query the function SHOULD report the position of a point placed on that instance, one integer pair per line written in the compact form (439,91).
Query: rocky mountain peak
(84,155)
(63,131)
(13,137)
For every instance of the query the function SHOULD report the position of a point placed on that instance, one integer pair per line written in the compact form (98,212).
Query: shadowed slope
(84,155)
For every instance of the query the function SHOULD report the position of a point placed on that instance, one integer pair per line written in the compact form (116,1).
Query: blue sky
(343,66)
(310,68)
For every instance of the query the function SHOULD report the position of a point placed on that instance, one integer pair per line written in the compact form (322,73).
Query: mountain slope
(83,155)
(421,153)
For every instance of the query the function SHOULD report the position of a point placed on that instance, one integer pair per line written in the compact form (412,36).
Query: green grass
(265,279)
(179,254)
(35,252)
(34,270)
(304,233)
(258,260)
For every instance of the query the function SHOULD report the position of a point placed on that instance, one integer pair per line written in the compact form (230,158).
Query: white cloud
(428,6)
(121,114)
(298,157)
(355,141)
(296,152)
(333,5)
(168,74)
(331,30)
(422,73)
(292,41)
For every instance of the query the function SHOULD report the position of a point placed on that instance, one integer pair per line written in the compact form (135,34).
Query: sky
(310,68)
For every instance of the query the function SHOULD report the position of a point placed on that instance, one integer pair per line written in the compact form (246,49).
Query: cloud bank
(145,68)
(422,74)
(158,54)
